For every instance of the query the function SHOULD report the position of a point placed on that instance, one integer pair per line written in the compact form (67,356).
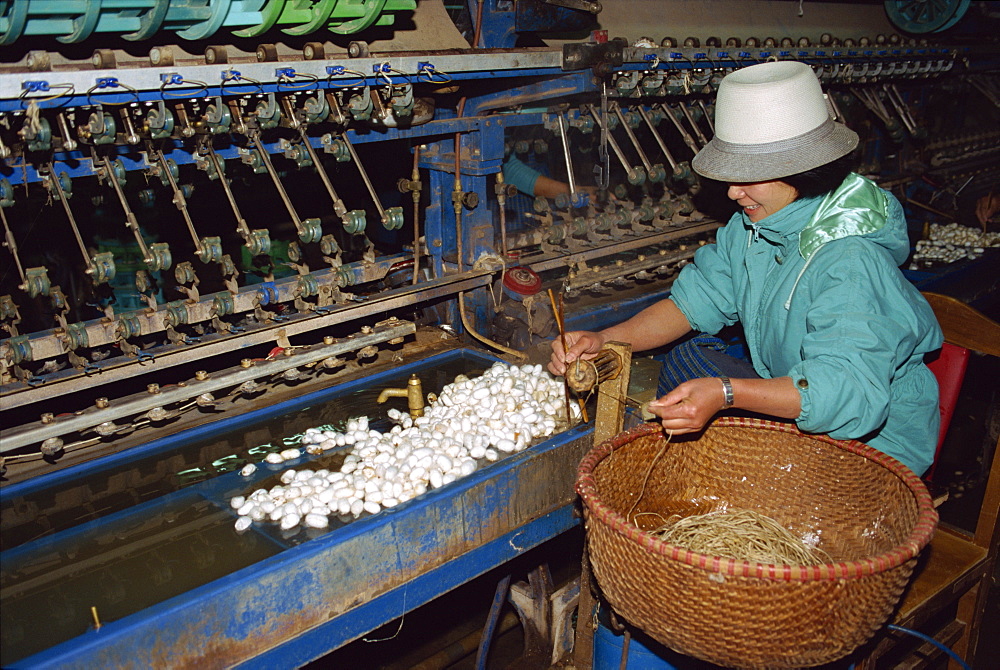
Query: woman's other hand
(579,344)
(690,406)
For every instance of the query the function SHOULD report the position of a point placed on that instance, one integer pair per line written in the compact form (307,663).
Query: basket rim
(909,548)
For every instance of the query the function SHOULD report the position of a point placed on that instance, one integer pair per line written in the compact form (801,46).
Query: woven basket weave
(871,514)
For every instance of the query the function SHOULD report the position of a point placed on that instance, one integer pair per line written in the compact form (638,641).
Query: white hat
(771,121)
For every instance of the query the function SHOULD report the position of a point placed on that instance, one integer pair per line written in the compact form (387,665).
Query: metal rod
(708,117)
(415,176)
(241,224)
(266,159)
(364,175)
(11,245)
(37,432)
(697,130)
(685,135)
(656,135)
(612,142)
(635,142)
(179,200)
(569,160)
(130,221)
(338,204)
(69,213)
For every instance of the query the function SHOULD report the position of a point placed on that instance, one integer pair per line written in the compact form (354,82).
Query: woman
(809,266)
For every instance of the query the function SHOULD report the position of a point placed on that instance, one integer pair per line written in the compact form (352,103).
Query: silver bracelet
(727,392)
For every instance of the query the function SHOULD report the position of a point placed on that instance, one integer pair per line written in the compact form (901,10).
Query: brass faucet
(414,394)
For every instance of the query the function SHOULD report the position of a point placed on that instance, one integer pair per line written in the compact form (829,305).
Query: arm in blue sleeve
(520,175)
(860,330)
(704,291)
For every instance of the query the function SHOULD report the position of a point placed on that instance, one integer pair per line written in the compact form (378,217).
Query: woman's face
(762,198)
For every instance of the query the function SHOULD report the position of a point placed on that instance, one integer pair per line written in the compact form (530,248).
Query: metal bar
(34,433)
(612,141)
(266,158)
(69,215)
(180,201)
(568,259)
(131,222)
(656,135)
(11,244)
(383,302)
(685,135)
(569,159)
(364,175)
(697,130)
(241,224)
(632,138)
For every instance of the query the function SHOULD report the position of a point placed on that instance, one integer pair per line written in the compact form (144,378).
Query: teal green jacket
(818,290)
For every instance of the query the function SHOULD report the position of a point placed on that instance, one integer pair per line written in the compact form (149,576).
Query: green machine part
(344,17)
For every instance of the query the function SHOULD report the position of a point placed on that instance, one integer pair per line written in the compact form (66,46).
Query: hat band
(802,141)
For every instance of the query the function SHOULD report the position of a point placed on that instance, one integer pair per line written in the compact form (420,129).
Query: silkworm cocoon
(357,507)
(305,505)
(447,478)
(468,466)
(436,478)
(290,454)
(287,477)
(246,508)
(344,507)
(491,455)
(477,451)
(290,521)
(274,458)
(505,445)
(443,462)
(389,502)
(237,502)
(276,514)
(321,509)
(242,523)
(268,506)
(345,492)
(349,467)
(372,507)
(418,474)
(293,492)
(373,496)
(258,513)
(316,521)
(481,393)
(248,469)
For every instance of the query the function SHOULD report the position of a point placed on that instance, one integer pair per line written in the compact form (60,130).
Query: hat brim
(732,163)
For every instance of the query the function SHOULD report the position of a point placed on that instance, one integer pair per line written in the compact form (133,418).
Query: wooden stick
(557,314)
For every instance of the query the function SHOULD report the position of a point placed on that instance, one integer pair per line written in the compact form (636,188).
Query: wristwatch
(727,392)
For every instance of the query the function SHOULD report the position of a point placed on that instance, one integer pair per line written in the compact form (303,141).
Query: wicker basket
(871,514)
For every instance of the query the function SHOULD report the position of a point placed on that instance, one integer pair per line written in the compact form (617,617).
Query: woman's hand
(690,406)
(579,344)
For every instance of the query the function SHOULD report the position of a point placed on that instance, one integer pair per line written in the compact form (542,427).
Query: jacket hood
(856,207)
